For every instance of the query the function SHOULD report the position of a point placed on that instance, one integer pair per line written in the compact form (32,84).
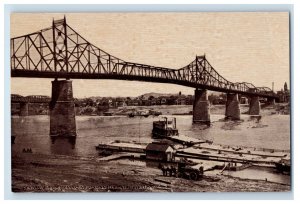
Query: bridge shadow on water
(63,145)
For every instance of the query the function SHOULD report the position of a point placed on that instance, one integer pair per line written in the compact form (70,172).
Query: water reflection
(63,145)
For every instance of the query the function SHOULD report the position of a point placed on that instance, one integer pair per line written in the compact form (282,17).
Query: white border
(145,8)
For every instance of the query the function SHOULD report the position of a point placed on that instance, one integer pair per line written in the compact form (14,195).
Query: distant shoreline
(170,110)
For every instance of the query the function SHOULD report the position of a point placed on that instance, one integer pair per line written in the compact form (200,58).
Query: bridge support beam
(232,111)
(254,106)
(62,110)
(201,111)
(24,109)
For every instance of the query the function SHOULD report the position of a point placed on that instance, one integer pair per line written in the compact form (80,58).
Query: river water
(272,132)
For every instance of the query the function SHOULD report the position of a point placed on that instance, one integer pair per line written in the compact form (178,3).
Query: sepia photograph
(150,102)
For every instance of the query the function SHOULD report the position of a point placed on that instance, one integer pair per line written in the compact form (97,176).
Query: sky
(242,46)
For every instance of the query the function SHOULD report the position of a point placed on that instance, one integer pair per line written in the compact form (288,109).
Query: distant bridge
(60,52)
(29,99)
(24,102)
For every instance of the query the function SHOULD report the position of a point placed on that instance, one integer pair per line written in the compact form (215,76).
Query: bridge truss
(60,52)
(15,98)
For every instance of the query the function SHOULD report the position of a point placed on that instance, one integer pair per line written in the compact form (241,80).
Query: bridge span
(60,52)
(24,102)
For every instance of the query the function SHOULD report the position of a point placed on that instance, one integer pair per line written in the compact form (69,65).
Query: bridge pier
(254,106)
(201,111)
(232,111)
(24,108)
(62,110)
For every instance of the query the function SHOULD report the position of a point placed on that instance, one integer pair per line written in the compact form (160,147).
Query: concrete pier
(24,109)
(62,110)
(232,111)
(254,106)
(201,111)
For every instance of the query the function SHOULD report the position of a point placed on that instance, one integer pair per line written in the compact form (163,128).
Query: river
(273,131)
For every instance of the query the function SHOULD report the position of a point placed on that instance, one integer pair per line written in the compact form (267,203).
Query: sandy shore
(57,173)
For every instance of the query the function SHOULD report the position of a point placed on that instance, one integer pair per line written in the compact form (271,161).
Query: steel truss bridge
(15,98)
(60,52)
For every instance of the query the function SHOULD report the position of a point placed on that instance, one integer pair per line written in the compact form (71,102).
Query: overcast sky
(250,47)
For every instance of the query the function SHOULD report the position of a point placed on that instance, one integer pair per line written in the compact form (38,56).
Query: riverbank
(38,109)
(58,173)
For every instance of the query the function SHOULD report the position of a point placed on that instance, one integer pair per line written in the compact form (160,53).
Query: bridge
(60,52)
(29,99)
(24,101)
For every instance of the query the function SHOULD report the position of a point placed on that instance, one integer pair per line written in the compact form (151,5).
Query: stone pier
(201,111)
(254,106)
(62,110)
(232,111)
(24,109)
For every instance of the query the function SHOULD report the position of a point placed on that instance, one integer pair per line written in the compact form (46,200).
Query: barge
(108,149)
(191,149)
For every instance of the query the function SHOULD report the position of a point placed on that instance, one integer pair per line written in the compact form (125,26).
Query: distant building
(284,95)
(160,152)
(119,102)
(132,102)
(285,87)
